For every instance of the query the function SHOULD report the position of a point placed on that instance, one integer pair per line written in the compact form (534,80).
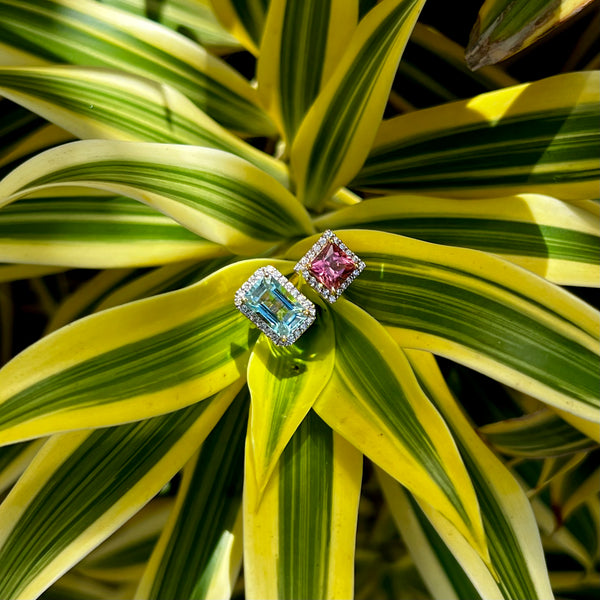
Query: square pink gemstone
(331,267)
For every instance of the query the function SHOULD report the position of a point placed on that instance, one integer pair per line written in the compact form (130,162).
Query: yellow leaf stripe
(163,353)
(559,241)
(108,475)
(335,136)
(538,137)
(195,556)
(93,34)
(299,539)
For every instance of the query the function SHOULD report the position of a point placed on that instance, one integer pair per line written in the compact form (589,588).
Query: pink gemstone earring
(329,267)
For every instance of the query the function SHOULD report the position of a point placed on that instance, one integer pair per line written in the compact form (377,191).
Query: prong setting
(275,306)
(331,285)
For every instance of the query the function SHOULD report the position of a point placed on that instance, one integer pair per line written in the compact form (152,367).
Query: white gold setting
(331,294)
(295,313)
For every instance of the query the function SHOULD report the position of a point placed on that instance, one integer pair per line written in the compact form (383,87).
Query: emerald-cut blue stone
(276,307)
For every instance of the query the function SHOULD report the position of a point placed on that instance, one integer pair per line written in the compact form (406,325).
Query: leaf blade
(537,137)
(333,139)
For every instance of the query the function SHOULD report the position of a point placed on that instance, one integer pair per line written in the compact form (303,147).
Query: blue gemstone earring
(275,306)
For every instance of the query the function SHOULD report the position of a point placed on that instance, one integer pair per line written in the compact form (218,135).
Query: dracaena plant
(154,440)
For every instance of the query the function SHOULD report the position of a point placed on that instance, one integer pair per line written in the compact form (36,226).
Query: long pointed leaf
(481,311)
(163,353)
(199,552)
(284,384)
(336,134)
(299,538)
(375,402)
(553,239)
(217,195)
(86,32)
(302,44)
(102,103)
(538,137)
(515,548)
(84,485)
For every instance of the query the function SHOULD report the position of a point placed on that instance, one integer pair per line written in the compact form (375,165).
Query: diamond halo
(329,267)
(275,306)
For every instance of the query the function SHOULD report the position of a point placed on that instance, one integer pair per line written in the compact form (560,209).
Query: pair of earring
(280,310)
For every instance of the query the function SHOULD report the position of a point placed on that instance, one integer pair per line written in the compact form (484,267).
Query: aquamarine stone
(276,307)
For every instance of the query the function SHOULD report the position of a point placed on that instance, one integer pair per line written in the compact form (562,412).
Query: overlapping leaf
(245,19)
(124,555)
(163,353)
(483,312)
(217,195)
(102,103)
(438,565)
(538,435)
(290,79)
(556,240)
(299,537)
(95,232)
(194,18)
(517,559)
(108,475)
(538,137)
(334,137)
(284,384)
(89,33)
(200,557)
(375,402)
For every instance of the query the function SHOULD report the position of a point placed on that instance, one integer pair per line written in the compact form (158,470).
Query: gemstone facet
(329,267)
(275,306)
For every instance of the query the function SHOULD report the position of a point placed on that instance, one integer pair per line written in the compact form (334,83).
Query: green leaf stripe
(191,17)
(305,26)
(387,400)
(89,33)
(92,219)
(498,236)
(205,518)
(96,102)
(305,501)
(252,14)
(155,363)
(350,102)
(473,312)
(456,575)
(539,435)
(50,523)
(232,202)
(550,147)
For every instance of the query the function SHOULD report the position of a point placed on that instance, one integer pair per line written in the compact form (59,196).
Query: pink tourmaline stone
(332,266)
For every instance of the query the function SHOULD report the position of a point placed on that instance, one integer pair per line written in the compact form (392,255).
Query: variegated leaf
(538,137)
